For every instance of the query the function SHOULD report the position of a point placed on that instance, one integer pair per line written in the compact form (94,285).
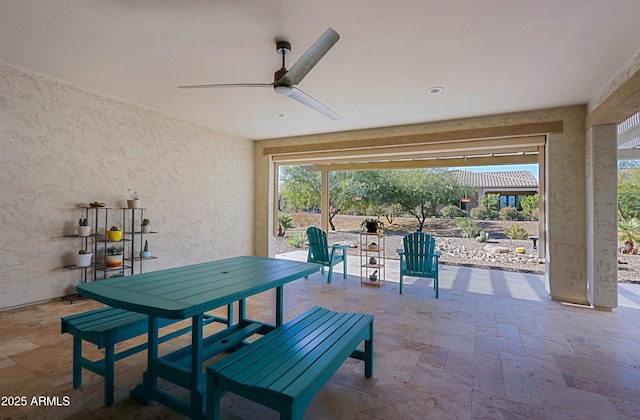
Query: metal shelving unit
(372,259)
(135,234)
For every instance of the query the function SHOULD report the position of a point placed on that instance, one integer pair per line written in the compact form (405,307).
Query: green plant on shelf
(115,250)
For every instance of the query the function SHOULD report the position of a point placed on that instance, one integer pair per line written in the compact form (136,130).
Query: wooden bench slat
(313,369)
(285,368)
(316,356)
(289,362)
(272,347)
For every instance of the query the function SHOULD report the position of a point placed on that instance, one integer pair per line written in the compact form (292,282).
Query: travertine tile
(565,402)
(493,346)
(490,407)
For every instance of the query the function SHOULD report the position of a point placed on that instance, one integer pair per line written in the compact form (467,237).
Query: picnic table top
(183,292)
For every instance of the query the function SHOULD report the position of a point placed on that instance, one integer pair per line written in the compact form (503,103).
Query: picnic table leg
(242,309)
(229,314)
(144,391)
(279,305)
(198,378)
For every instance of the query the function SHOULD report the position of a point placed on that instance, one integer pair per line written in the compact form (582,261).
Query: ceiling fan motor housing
(283,47)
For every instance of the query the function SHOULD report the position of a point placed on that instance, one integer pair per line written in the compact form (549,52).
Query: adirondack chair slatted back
(320,252)
(418,252)
(318,248)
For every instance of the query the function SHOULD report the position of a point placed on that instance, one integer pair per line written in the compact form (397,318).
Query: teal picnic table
(189,292)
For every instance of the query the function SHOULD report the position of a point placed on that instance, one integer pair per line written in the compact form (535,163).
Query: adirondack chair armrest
(335,248)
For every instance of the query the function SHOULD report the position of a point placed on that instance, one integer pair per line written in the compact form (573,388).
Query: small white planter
(84,230)
(146,228)
(83,260)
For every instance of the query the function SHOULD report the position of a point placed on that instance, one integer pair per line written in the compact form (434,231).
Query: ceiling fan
(285,81)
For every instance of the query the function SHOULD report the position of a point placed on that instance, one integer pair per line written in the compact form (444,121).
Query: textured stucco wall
(566,234)
(62,146)
(602,238)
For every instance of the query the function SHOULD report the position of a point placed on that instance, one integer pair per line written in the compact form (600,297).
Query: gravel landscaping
(455,249)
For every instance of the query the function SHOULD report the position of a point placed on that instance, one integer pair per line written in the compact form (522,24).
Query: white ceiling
(491,56)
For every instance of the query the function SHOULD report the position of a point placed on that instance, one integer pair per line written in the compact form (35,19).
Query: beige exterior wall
(62,147)
(602,215)
(565,189)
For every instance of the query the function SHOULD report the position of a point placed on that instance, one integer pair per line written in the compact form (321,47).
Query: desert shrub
(482,213)
(535,215)
(482,237)
(297,240)
(452,211)
(516,232)
(469,228)
(509,213)
(304,219)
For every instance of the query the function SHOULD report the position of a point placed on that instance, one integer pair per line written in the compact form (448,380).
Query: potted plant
(134,201)
(114,256)
(145,253)
(114,234)
(83,228)
(372,225)
(146,226)
(83,258)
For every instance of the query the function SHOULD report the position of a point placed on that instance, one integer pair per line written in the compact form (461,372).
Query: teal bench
(284,369)
(106,327)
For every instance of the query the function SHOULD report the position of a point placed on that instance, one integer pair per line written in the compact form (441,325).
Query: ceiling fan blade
(224,85)
(310,58)
(307,100)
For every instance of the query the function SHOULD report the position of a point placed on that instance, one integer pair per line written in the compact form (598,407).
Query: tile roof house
(512,186)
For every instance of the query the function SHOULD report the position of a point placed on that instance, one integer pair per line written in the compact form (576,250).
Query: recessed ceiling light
(436,90)
(280,115)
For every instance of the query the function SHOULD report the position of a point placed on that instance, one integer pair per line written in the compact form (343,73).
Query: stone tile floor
(493,346)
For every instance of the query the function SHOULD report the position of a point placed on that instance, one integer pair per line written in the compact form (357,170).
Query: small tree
(529,204)
(491,202)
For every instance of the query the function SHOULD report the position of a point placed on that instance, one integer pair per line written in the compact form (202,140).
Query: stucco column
(565,202)
(602,197)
